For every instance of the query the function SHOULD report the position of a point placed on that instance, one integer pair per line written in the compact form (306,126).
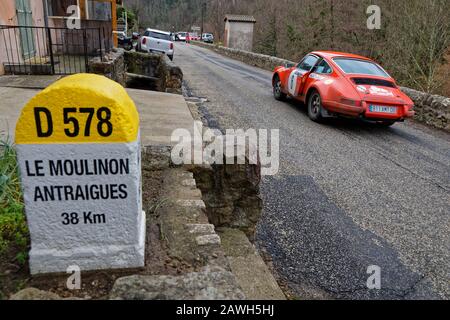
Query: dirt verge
(97,284)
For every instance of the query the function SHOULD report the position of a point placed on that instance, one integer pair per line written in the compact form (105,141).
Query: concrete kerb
(191,237)
(252,273)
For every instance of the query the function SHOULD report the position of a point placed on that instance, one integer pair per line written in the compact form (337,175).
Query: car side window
(323,67)
(308,63)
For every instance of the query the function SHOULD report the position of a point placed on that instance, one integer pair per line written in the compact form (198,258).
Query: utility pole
(203,17)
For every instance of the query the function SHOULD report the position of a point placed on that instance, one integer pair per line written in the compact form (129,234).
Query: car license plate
(383,109)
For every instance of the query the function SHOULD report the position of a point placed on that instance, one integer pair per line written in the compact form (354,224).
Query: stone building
(239,32)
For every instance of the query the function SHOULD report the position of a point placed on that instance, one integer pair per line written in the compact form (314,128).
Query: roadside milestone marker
(78,146)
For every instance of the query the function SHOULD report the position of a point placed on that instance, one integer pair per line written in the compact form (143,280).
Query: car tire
(171,57)
(277,93)
(315,107)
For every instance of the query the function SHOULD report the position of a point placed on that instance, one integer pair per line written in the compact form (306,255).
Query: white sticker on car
(380,91)
(292,83)
(361,89)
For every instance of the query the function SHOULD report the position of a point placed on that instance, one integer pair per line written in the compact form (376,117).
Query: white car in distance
(208,37)
(181,36)
(157,41)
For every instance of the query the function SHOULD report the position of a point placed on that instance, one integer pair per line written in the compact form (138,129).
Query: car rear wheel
(315,107)
(277,92)
(171,57)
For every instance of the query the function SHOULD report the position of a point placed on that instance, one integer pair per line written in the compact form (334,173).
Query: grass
(14,233)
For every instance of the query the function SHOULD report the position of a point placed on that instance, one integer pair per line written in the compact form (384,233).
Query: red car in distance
(194,36)
(342,84)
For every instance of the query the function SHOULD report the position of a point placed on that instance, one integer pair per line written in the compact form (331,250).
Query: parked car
(181,36)
(208,38)
(157,41)
(194,36)
(124,41)
(343,84)
(136,36)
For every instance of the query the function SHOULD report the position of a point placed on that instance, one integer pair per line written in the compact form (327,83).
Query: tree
(131,17)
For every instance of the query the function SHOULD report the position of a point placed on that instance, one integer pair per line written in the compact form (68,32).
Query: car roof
(336,54)
(159,31)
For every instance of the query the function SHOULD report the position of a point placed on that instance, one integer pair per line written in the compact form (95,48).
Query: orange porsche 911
(341,84)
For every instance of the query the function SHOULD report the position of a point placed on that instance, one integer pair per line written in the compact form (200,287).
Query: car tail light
(144,41)
(171,46)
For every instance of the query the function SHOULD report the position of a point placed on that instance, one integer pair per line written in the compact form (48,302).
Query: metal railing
(51,50)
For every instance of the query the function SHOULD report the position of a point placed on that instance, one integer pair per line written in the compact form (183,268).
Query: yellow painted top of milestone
(95,95)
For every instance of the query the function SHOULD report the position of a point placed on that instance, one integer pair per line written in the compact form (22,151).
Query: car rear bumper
(363,111)
(336,107)
(168,52)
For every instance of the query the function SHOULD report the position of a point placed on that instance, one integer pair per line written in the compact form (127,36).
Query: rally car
(342,84)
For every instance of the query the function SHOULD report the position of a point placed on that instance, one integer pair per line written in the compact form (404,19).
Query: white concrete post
(78,148)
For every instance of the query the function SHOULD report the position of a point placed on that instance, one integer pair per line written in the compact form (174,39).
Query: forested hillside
(412,43)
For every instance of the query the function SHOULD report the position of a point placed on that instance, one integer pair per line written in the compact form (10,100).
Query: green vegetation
(132,18)
(13,226)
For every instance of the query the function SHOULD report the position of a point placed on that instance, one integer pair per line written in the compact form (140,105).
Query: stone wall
(231,193)
(147,64)
(430,109)
(173,76)
(161,73)
(147,71)
(112,66)
(255,59)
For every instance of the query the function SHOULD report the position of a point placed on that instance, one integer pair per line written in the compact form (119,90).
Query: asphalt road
(348,194)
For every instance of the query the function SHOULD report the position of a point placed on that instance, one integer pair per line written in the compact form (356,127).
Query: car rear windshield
(355,66)
(157,35)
